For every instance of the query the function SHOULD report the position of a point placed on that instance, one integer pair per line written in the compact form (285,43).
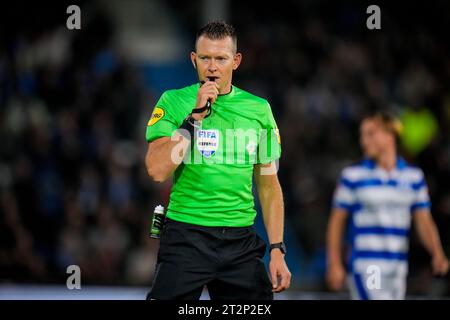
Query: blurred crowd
(74,188)
(73,111)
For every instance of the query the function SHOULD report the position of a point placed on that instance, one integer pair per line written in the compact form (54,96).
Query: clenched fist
(209,90)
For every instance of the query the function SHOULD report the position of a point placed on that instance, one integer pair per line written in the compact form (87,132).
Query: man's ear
(193,59)
(237,60)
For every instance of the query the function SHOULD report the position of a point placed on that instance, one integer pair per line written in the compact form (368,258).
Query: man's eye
(204,58)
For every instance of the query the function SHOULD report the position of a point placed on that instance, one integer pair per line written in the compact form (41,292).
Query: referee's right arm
(165,154)
(162,159)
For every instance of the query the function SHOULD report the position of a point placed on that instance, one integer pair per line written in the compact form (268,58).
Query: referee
(213,137)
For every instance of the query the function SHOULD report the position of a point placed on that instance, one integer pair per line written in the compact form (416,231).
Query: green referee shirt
(213,184)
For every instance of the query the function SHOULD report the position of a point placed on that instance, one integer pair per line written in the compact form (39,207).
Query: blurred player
(382,195)
(208,238)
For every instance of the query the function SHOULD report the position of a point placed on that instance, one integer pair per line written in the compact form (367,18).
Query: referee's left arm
(271,199)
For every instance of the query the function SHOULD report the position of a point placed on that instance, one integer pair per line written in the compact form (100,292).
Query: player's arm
(271,199)
(429,236)
(335,231)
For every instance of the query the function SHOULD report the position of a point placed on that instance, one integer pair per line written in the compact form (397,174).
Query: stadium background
(74,106)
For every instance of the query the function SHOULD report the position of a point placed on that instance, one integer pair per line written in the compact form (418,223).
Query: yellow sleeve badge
(277,133)
(158,114)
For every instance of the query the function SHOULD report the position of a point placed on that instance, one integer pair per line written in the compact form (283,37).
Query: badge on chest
(207,142)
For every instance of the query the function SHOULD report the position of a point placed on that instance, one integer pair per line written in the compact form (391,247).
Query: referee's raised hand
(209,90)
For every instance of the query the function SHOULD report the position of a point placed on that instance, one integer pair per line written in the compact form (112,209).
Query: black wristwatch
(279,245)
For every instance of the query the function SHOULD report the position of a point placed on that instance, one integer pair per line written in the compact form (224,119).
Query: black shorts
(228,260)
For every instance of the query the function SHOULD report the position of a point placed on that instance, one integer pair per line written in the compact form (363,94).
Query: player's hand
(279,272)
(440,265)
(209,90)
(336,277)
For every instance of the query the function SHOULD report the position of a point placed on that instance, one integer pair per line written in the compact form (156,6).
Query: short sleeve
(269,147)
(162,122)
(421,195)
(344,196)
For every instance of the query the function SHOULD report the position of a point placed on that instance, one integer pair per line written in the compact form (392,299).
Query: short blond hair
(390,122)
(218,30)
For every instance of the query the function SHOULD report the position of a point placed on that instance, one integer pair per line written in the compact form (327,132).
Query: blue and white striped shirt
(380,204)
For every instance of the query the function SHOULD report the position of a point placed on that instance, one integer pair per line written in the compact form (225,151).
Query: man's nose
(212,66)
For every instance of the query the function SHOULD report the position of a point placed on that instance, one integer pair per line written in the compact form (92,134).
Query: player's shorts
(228,260)
(391,286)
